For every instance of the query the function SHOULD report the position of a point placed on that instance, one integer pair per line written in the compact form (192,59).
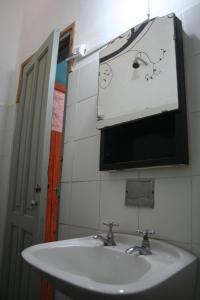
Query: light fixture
(136,63)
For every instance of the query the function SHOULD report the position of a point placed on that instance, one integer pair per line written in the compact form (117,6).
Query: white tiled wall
(10,29)
(7,116)
(86,156)
(89,197)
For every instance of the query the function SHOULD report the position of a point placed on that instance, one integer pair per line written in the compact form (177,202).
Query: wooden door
(29,172)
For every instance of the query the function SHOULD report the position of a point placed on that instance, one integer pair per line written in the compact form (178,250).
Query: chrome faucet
(145,248)
(109,239)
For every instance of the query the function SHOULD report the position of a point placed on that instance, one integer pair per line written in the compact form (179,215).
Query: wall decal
(137,73)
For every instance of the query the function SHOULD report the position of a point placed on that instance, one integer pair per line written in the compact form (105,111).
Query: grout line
(65,224)
(128,177)
(166,177)
(100,190)
(83,99)
(194,112)
(171,241)
(138,211)
(79,181)
(191,195)
(84,138)
(78,226)
(7,105)
(125,232)
(70,203)
(80,139)
(195,244)
(76,88)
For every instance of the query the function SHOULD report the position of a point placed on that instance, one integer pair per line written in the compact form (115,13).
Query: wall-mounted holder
(140,192)
(145,139)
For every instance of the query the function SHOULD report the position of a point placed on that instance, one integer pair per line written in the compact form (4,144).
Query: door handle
(34,203)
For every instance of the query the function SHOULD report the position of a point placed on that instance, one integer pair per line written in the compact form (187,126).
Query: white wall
(11,13)
(88,196)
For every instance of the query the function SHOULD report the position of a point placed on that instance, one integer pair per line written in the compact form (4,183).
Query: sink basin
(84,269)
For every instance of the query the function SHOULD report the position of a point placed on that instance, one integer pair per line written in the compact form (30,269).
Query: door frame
(69,30)
(47,290)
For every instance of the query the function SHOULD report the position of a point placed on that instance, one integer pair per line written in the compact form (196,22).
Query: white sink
(84,269)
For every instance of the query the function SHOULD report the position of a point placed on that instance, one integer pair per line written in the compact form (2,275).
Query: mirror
(137,73)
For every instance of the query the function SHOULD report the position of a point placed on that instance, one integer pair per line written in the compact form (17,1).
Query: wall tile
(194,120)
(77,232)
(63,232)
(73,83)
(198,283)
(3,214)
(86,118)
(6,76)
(196,251)
(5,169)
(3,211)
(94,202)
(112,207)
(10,123)
(85,204)
(171,216)
(12,112)
(165,172)
(192,30)
(2,142)
(67,162)
(70,123)
(88,80)
(65,203)
(119,174)
(195,209)
(185,246)
(192,68)
(86,159)
(7,143)
(3,117)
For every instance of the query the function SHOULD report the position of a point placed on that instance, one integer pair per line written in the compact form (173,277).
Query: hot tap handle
(111,224)
(146,232)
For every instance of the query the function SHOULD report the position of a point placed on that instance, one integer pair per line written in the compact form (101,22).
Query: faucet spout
(106,241)
(145,248)
(142,250)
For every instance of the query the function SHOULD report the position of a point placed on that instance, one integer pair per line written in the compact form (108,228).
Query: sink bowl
(84,269)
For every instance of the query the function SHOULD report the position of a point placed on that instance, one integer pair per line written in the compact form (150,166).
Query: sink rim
(158,272)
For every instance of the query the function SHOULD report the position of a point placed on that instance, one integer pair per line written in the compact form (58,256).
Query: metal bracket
(140,192)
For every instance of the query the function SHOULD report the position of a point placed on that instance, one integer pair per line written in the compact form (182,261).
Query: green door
(29,173)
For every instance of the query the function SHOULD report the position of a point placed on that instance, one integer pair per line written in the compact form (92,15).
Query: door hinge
(38,188)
